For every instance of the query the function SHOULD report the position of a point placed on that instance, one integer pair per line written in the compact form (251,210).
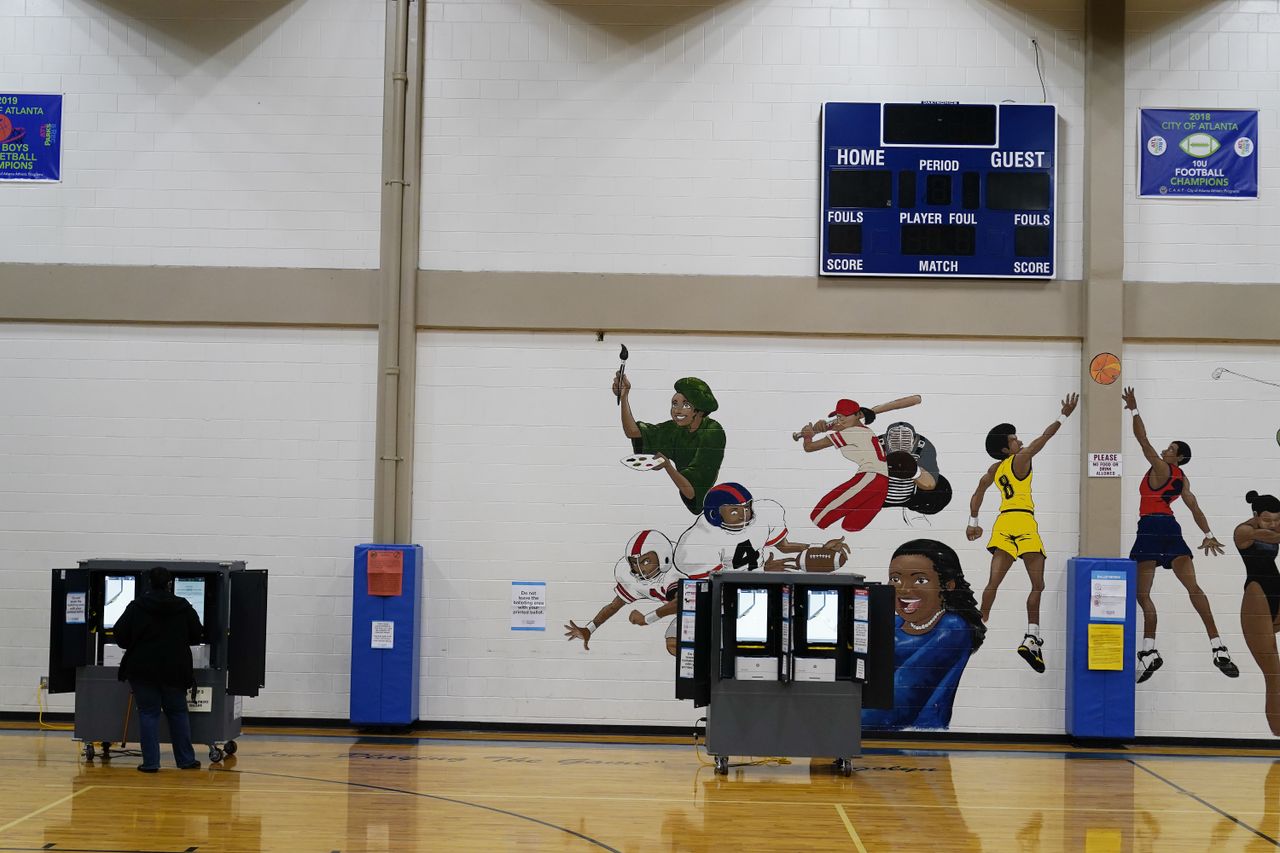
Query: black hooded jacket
(157,632)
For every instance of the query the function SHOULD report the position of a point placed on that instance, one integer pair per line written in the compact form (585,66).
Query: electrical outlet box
(44,682)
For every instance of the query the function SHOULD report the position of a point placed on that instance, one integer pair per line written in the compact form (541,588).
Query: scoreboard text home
(952,190)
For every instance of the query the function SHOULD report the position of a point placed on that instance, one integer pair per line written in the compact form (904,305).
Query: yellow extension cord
(700,752)
(60,727)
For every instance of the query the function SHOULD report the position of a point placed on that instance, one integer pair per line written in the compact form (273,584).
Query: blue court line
(1207,804)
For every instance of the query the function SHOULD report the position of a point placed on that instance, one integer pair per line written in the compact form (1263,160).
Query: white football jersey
(705,548)
(632,589)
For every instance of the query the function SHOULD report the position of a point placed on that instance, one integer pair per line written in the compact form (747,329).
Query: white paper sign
(528,605)
(1107,598)
(384,635)
(861,604)
(860,670)
(76,607)
(686,663)
(860,637)
(203,703)
(1104,464)
(689,592)
(688,628)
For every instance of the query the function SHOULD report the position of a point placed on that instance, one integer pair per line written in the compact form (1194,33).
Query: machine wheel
(230,747)
(722,765)
(215,755)
(88,750)
(844,766)
(106,749)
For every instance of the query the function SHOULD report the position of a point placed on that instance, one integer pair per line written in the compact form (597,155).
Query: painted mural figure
(691,443)
(855,502)
(1258,541)
(737,532)
(1160,543)
(925,490)
(1015,533)
(646,572)
(937,628)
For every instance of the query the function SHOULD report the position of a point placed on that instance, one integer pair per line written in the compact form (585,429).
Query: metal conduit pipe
(389,457)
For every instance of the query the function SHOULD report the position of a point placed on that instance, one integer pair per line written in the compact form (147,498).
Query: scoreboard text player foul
(951,190)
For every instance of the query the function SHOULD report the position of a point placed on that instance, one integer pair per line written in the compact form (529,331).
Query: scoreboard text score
(951,190)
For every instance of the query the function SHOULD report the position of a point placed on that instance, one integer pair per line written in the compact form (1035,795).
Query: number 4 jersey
(704,548)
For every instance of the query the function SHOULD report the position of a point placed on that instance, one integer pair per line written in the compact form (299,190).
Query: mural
(689,447)
(1015,533)
(923,490)
(1159,543)
(856,502)
(937,627)
(646,572)
(1258,540)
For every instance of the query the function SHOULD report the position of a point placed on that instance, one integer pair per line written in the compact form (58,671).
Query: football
(1199,145)
(817,558)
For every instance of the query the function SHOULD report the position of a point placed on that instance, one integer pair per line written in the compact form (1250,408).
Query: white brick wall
(195,444)
(518,478)
(231,133)
(593,137)
(1231,426)
(1189,54)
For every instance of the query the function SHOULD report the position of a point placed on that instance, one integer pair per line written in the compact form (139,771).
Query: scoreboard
(938,190)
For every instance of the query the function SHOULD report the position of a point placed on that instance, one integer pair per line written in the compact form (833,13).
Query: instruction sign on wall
(1104,465)
(1200,153)
(528,606)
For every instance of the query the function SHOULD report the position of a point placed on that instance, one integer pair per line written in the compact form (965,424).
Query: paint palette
(644,461)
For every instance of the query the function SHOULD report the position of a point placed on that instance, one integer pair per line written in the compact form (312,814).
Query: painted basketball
(6,127)
(1105,368)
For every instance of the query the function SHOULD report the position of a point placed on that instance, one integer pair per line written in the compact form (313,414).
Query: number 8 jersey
(1015,494)
(704,548)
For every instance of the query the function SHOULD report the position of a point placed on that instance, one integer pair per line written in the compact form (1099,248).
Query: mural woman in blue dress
(937,628)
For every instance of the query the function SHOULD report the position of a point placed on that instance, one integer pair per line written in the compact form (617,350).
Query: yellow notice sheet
(1106,646)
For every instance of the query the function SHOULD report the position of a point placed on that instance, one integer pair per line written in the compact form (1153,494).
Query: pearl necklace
(924,626)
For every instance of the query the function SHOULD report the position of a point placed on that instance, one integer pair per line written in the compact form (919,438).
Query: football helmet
(724,495)
(644,542)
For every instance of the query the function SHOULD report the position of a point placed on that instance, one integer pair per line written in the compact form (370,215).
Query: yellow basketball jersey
(1015,494)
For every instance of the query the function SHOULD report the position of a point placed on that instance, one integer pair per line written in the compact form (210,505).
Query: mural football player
(739,533)
(646,572)
(1160,543)
(1015,534)
(691,443)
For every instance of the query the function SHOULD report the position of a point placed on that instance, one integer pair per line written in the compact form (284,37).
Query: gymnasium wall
(518,478)
(683,138)
(1196,54)
(228,133)
(191,443)
(1231,425)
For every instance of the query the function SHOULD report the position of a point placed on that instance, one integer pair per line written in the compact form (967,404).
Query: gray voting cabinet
(230,662)
(785,662)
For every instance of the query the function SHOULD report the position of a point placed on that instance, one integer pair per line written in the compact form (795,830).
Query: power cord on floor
(699,750)
(59,727)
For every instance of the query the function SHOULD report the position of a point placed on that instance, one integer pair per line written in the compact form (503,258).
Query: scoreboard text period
(950,190)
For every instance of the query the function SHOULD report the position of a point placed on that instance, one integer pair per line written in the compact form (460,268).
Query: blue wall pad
(384,681)
(1100,702)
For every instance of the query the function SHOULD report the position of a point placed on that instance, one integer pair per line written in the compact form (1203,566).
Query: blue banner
(30,137)
(1198,153)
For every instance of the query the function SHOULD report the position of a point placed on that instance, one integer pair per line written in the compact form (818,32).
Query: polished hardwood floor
(323,792)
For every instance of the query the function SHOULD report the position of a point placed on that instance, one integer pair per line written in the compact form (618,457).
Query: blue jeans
(151,698)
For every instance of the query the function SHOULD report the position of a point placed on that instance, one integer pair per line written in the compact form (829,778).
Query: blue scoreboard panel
(939,189)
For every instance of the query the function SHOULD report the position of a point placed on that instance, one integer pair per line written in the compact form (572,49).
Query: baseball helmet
(723,495)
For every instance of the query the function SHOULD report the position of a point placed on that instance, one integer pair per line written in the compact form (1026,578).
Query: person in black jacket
(157,632)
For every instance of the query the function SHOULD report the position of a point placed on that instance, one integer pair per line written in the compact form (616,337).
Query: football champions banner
(1198,153)
(30,137)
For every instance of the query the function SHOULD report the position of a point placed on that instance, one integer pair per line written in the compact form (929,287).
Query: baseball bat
(900,403)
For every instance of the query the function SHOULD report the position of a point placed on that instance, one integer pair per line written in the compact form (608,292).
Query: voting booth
(230,660)
(785,662)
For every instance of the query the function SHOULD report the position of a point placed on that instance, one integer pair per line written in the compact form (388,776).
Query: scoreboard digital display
(939,189)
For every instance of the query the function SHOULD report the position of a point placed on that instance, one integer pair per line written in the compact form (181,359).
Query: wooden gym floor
(324,792)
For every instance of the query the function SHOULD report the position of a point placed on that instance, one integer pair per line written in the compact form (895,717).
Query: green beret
(698,393)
